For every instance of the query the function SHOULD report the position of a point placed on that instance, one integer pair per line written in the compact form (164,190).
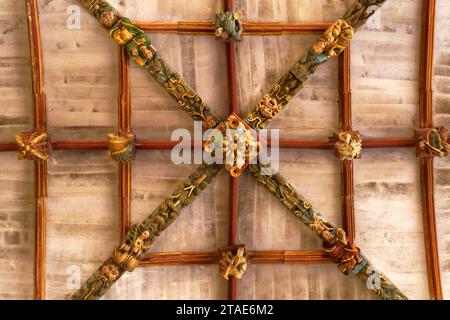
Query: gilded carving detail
(335,241)
(121,147)
(343,252)
(432,142)
(138,46)
(126,256)
(34,146)
(229,25)
(233,262)
(348,145)
(335,39)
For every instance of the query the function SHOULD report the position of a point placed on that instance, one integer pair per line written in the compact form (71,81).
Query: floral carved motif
(34,146)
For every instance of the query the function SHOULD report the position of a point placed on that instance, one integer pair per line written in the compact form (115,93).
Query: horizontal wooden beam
(250,28)
(258,257)
(168,145)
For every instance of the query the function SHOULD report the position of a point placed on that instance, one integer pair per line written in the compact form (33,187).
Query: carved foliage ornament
(348,145)
(34,146)
(121,147)
(335,39)
(233,262)
(229,25)
(432,142)
(138,46)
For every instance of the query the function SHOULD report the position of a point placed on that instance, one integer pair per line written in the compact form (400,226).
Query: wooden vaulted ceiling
(125,175)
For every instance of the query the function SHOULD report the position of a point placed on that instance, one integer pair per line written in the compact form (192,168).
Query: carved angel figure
(233,265)
(126,255)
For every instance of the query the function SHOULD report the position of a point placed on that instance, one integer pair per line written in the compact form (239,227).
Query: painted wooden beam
(426,165)
(40,124)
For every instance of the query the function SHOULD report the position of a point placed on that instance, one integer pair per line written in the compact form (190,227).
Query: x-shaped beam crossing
(335,241)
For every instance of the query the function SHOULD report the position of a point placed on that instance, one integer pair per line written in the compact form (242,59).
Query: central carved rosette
(234,143)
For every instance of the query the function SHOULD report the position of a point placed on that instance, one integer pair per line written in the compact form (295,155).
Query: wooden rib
(345,124)
(426,165)
(168,145)
(124,127)
(233,192)
(8,146)
(250,28)
(256,257)
(40,125)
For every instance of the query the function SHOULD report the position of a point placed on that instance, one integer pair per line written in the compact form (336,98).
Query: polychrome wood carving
(233,262)
(34,146)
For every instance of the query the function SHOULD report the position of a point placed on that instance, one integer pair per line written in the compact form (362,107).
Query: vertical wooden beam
(124,127)
(345,124)
(40,125)
(233,203)
(426,165)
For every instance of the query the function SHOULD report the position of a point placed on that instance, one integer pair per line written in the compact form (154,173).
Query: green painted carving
(138,46)
(331,44)
(125,257)
(336,243)
(361,11)
(229,25)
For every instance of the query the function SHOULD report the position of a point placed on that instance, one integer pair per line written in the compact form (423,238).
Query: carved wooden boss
(233,259)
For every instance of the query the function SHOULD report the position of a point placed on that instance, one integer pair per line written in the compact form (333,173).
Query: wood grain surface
(81,83)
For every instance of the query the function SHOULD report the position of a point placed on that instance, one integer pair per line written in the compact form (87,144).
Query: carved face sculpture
(110,272)
(318,47)
(268,107)
(146,52)
(108,19)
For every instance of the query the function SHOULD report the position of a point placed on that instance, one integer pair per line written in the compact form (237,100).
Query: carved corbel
(432,142)
(233,262)
(342,251)
(34,146)
(121,147)
(348,145)
(229,25)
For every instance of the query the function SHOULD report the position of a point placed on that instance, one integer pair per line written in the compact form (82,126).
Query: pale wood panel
(264,224)
(389,227)
(261,62)
(203,226)
(441,90)
(301,282)
(82,219)
(80,75)
(201,61)
(15,75)
(16,227)
(167,10)
(171,283)
(384,71)
(293,10)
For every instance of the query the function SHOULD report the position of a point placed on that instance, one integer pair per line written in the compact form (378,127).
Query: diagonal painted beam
(125,257)
(331,44)
(347,256)
(138,46)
